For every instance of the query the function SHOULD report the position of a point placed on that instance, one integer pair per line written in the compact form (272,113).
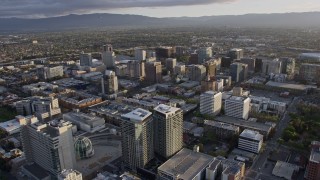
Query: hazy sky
(155,8)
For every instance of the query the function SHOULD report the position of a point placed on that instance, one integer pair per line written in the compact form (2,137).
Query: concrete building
(136,69)
(170,64)
(196,72)
(250,141)
(70,174)
(168,130)
(180,69)
(40,88)
(85,122)
(108,56)
(226,169)
(85,59)
(153,72)
(210,103)
(288,66)
(237,107)
(185,165)
(271,66)
(121,70)
(221,130)
(13,126)
(285,170)
(140,54)
(313,167)
(78,100)
(208,84)
(42,107)
(48,145)
(251,62)
(111,82)
(310,72)
(137,131)
(193,59)
(237,91)
(235,53)
(203,54)
(45,73)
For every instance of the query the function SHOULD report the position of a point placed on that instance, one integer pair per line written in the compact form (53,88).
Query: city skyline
(154,8)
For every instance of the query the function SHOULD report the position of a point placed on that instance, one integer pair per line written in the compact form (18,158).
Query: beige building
(70,174)
(168,130)
(136,69)
(137,138)
(170,64)
(48,145)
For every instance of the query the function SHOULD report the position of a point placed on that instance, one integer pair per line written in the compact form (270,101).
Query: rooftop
(165,109)
(284,170)
(237,98)
(251,135)
(137,114)
(221,125)
(299,87)
(186,163)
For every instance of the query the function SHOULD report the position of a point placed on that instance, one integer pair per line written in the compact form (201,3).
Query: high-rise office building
(211,68)
(208,84)
(237,107)
(193,59)
(153,72)
(313,167)
(238,72)
(181,51)
(226,62)
(235,53)
(140,54)
(164,52)
(251,62)
(70,174)
(258,67)
(309,72)
(288,65)
(48,145)
(180,69)
(170,64)
(250,141)
(137,131)
(110,84)
(196,72)
(203,54)
(136,69)
(210,103)
(271,66)
(85,59)
(108,56)
(168,130)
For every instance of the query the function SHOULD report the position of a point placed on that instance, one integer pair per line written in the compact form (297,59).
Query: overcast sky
(154,8)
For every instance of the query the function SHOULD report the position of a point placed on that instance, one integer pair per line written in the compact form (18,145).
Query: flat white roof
(137,114)
(255,135)
(10,125)
(186,164)
(165,109)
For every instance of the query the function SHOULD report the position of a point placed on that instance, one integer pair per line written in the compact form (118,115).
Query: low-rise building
(221,130)
(85,122)
(250,141)
(78,100)
(285,170)
(186,165)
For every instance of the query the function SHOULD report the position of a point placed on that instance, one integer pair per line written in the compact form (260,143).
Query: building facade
(168,130)
(85,59)
(48,145)
(237,107)
(108,56)
(250,141)
(153,72)
(210,103)
(137,131)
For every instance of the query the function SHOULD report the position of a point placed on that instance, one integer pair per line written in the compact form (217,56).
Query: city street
(271,145)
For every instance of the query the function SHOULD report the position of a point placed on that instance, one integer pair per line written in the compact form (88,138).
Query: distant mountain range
(307,19)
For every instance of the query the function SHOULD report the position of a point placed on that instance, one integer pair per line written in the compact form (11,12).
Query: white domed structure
(83,148)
